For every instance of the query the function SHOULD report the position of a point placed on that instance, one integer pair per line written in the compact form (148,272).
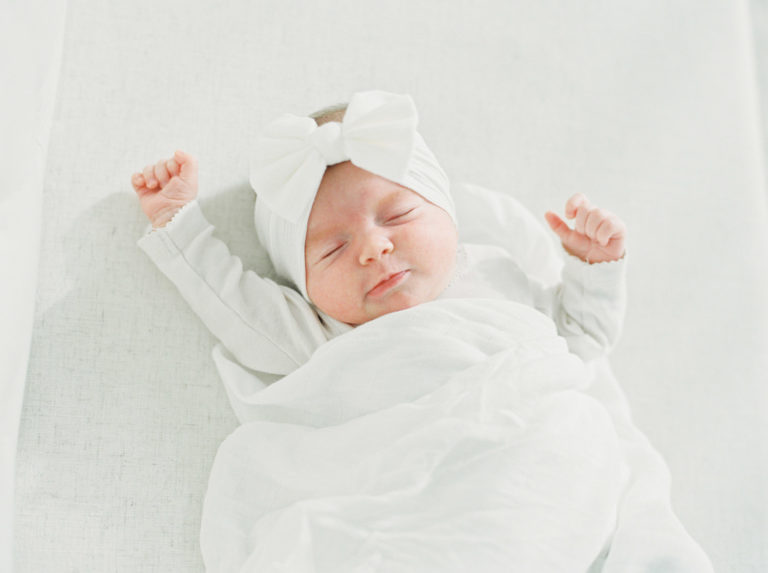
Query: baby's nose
(375,246)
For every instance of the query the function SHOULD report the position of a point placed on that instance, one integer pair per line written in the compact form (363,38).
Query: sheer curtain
(31,36)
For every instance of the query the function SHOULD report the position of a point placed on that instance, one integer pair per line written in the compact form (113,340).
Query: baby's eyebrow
(393,198)
(319,237)
(316,231)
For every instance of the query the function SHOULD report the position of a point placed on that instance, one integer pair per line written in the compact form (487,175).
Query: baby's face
(374,246)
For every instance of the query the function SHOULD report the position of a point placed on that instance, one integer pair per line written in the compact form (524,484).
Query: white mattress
(648,108)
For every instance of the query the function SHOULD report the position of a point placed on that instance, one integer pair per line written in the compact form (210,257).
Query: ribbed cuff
(177,234)
(599,274)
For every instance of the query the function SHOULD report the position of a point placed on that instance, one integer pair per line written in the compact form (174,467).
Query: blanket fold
(452,436)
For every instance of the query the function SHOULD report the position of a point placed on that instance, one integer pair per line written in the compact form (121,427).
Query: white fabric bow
(377,134)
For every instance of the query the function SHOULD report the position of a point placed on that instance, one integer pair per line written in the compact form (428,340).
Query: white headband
(378,134)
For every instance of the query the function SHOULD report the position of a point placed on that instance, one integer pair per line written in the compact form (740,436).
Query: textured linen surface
(648,108)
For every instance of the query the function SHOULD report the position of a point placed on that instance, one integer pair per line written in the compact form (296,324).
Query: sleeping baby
(427,415)
(360,238)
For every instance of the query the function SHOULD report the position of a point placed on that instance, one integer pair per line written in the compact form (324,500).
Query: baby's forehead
(382,197)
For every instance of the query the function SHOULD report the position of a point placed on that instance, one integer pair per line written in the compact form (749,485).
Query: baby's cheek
(435,267)
(335,293)
(439,243)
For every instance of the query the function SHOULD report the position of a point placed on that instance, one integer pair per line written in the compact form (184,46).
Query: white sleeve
(267,327)
(587,306)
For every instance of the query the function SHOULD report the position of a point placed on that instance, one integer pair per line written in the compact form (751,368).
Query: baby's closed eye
(331,251)
(401,215)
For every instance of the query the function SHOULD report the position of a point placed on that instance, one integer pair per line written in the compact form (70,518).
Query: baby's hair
(330,113)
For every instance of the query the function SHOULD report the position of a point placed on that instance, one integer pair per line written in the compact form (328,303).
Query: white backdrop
(648,108)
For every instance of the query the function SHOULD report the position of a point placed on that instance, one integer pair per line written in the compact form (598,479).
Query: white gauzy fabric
(468,445)
(378,134)
(30,53)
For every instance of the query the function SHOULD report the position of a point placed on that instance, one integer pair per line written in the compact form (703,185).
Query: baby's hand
(598,235)
(165,187)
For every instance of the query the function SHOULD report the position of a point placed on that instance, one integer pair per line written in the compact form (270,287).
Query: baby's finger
(581,218)
(172,167)
(610,228)
(162,173)
(149,176)
(572,205)
(187,165)
(593,220)
(559,226)
(137,180)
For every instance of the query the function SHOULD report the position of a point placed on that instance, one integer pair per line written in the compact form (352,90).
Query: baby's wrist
(162,218)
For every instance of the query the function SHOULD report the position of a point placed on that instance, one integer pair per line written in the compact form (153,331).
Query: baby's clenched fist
(166,186)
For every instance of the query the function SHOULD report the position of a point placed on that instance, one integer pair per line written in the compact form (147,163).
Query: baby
(357,217)
(390,443)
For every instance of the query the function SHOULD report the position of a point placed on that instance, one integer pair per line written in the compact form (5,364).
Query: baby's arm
(588,305)
(267,327)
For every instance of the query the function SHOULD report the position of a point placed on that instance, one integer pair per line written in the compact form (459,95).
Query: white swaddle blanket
(452,436)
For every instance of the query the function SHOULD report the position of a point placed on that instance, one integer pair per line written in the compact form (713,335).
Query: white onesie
(271,329)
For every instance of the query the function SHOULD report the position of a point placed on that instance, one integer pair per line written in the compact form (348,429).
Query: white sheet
(649,108)
(453,436)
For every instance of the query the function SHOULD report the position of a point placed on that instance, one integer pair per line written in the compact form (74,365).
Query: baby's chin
(396,302)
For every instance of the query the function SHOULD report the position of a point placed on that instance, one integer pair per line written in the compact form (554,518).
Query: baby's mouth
(388,283)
